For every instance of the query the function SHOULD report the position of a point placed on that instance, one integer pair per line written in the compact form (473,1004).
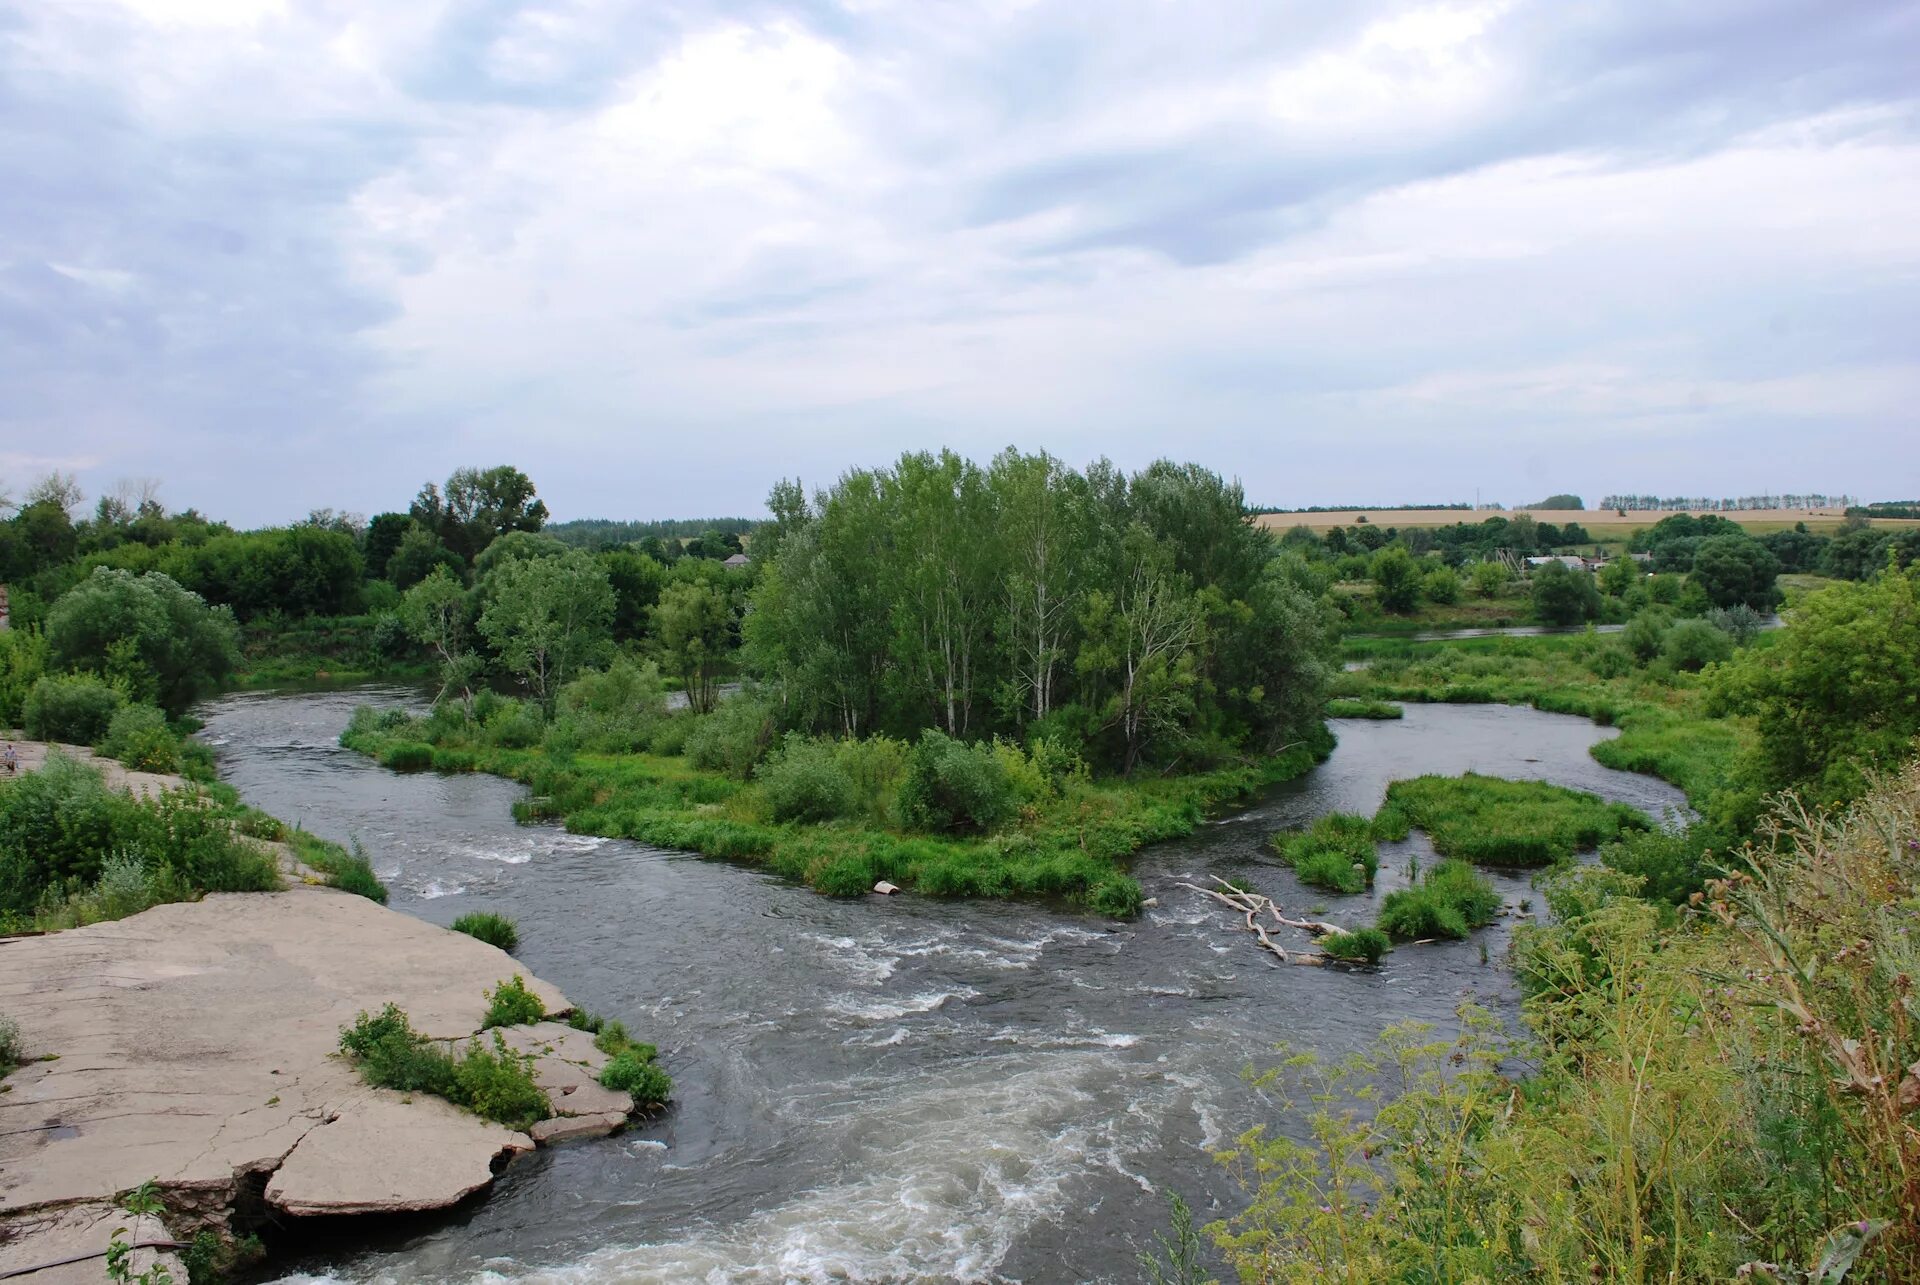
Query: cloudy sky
(290,253)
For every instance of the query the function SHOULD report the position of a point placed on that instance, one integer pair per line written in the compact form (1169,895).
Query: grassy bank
(327,649)
(1064,839)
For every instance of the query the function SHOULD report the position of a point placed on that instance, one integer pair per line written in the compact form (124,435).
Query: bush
(632,1072)
(1450,901)
(12,1051)
(1441,585)
(1671,864)
(951,785)
(407,756)
(804,782)
(1117,897)
(139,737)
(1335,852)
(495,930)
(497,1084)
(512,1004)
(76,709)
(875,766)
(1363,945)
(1692,645)
(733,738)
(1645,632)
(515,725)
(146,630)
(617,711)
(390,1054)
(339,868)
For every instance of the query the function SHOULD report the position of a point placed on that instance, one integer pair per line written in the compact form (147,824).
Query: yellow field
(1602,522)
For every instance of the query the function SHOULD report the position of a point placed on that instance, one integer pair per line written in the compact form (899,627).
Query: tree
(1735,569)
(692,623)
(1838,694)
(1441,585)
(384,533)
(1559,502)
(1141,638)
(1563,596)
(477,507)
(162,641)
(1396,579)
(1488,578)
(1618,576)
(1044,521)
(416,556)
(637,581)
(435,613)
(547,618)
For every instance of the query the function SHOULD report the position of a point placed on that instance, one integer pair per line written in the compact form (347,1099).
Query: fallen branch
(1250,905)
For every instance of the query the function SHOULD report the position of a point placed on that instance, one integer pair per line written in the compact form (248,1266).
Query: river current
(899,1088)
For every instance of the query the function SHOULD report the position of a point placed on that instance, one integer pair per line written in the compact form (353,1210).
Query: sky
(286,254)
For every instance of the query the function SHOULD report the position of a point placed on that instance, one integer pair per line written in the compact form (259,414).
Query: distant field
(1758,521)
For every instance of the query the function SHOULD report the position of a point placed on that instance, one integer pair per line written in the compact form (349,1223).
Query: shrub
(12,1051)
(632,1072)
(1450,900)
(1117,897)
(126,887)
(1352,707)
(1441,585)
(951,785)
(515,725)
(512,1004)
(76,709)
(1738,622)
(804,782)
(1335,852)
(407,756)
(1692,645)
(670,737)
(495,930)
(164,641)
(390,1054)
(1672,864)
(139,737)
(734,737)
(497,1084)
(617,711)
(348,871)
(1362,945)
(874,766)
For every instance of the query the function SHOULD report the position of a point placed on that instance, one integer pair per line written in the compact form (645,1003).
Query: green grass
(495,1083)
(1451,900)
(349,871)
(493,929)
(1336,852)
(1067,846)
(512,1004)
(1351,707)
(1496,822)
(1361,946)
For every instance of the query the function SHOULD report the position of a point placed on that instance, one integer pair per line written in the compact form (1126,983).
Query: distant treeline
(592,533)
(1360,508)
(1698,503)
(1909,509)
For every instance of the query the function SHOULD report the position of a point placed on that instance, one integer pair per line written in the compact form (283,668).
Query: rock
(1150,903)
(197,1041)
(565,1128)
(51,1235)
(885,889)
(388,1155)
(589,1098)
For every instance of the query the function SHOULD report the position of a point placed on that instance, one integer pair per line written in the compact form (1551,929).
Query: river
(892,1088)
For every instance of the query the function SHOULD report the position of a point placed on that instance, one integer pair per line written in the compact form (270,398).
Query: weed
(512,1004)
(493,929)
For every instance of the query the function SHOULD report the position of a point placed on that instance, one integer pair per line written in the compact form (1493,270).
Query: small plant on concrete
(495,930)
(512,1004)
(632,1071)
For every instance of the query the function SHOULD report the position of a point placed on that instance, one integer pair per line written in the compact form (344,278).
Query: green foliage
(138,736)
(512,1004)
(1450,900)
(162,641)
(1563,596)
(1493,821)
(1336,852)
(1488,579)
(548,618)
(632,1071)
(12,1051)
(347,870)
(1441,585)
(1396,578)
(493,929)
(1671,863)
(1736,570)
(617,710)
(497,1084)
(693,625)
(734,738)
(407,756)
(805,782)
(1838,694)
(1694,644)
(477,507)
(1362,945)
(1646,633)
(1176,1261)
(1350,707)
(61,824)
(23,659)
(390,1054)
(75,709)
(951,785)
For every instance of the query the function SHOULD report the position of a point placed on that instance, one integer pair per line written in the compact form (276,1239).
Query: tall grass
(1496,822)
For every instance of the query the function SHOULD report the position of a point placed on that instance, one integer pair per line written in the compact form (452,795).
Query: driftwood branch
(1252,906)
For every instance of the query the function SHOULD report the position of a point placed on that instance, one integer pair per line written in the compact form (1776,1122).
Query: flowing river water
(891,1088)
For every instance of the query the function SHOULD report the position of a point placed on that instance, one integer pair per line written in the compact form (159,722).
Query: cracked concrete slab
(77,1230)
(195,1042)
